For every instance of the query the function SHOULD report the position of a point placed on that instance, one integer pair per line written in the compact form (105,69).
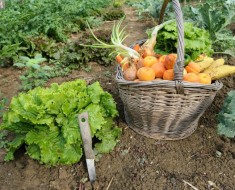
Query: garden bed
(204,160)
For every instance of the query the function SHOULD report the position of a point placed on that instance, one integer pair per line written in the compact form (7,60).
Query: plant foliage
(226,116)
(212,15)
(197,41)
(215,16)
(3,102)
(45,120)
(30,22)
(35,73)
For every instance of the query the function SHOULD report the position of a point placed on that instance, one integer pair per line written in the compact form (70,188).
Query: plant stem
(152,41)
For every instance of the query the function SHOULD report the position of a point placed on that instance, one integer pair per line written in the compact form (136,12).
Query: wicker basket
(168,110)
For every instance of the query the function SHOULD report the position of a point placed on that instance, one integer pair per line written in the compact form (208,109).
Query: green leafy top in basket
(197,41)
(45,120)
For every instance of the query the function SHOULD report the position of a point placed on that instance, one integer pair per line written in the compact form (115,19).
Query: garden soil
(202,161)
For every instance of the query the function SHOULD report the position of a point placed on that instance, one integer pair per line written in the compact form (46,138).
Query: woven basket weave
(168,110)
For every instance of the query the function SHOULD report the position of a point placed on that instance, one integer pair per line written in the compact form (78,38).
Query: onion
(130,74)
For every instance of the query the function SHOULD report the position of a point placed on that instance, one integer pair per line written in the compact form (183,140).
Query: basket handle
(179,65)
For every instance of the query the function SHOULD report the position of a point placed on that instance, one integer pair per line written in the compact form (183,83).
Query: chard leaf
(226,116)
(223,130)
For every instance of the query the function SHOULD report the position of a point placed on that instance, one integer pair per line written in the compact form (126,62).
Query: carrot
(136,47)
(119,58)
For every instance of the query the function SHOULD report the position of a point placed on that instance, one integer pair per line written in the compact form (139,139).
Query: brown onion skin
(139,63)
(130,74)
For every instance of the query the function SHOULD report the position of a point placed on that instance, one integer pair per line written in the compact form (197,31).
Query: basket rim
(217,85)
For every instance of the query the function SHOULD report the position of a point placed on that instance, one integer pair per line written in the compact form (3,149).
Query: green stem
(117,38)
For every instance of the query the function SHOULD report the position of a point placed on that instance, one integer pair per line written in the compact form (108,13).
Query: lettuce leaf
(107,136)
(197,41)
(45,121)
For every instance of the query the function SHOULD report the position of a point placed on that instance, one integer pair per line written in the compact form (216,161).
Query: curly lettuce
(45,121)
(197,41)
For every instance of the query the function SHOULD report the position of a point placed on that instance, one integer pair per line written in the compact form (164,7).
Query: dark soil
(203,160)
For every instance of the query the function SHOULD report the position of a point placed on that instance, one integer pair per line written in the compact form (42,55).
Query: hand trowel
(87,144)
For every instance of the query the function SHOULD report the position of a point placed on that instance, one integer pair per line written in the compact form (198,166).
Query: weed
(36,74)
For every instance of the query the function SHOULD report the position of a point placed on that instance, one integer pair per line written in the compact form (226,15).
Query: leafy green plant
(226,116)
(51,19)
(150,7)
(33,63)
(197,41)
(8,54)
(3,133)
(3,139)
(75,54)
(3,102)
(215,16)
(37,74)
(211,15)
(45,121)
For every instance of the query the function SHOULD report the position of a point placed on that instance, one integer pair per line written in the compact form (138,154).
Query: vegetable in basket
(142,63)
(130,59)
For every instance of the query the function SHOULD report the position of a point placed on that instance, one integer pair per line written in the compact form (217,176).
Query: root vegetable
(130,73)
(146,74)
(170,60)
(136,47)
(168,74)
(222,71)
(159,69)
(193,67)
(205,63)
(214,64)
(149,61)
(138,63)
(119,58)
(204,78)
(191,77)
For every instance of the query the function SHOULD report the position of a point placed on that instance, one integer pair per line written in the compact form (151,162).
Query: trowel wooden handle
(86,135)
